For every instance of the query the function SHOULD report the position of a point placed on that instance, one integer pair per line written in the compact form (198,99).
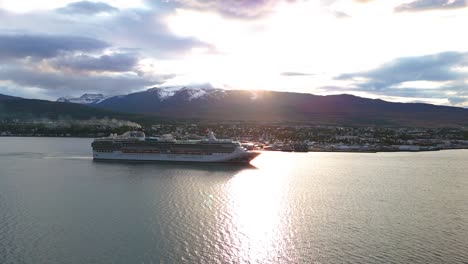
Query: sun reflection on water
(258,209)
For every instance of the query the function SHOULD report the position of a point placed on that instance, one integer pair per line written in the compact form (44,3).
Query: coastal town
(260,136)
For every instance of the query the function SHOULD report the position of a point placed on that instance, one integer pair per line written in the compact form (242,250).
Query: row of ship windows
(154,145)
(158,151)
(162,147)
(228,150)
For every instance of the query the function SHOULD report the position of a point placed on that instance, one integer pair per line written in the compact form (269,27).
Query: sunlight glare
(258,204)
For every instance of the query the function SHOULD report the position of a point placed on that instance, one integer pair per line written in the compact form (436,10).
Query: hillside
(269,106)
(184,103)
(20,108)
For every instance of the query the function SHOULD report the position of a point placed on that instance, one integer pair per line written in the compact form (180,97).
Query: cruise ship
(135,146)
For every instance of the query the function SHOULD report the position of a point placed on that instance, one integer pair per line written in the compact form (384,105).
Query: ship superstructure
(134,145)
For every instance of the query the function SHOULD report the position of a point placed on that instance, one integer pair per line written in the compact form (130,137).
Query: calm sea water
(58,206)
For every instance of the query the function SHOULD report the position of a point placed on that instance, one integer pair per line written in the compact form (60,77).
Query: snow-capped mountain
(162,93)
(84,99)
(189,92)
(209,103)
(177,100)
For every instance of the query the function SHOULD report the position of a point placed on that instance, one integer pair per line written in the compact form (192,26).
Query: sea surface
(58,206)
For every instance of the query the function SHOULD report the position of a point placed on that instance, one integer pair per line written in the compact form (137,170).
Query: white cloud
(204,41)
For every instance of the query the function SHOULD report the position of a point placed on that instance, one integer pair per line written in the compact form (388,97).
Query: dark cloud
(457,100)
(146,30)
(141,29)
(61,64)
(45,46)
(87,8)
(424,5)
(60,83)
(119,62)
(436,67)
(296,74)
(388,78)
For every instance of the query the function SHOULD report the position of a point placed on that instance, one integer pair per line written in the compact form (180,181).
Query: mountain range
(208,103)
(269,106)
(19,108)
(84,99)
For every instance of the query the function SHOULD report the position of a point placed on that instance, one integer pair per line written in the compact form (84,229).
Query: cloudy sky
(397,50)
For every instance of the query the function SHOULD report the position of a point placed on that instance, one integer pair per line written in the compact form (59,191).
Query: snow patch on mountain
(65,99)
(107,97)
(253,95)
(84,99)
(196,94)
(192,92)
(165,92)
(187,93)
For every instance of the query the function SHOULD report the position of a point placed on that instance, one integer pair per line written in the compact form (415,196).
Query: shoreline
(263,150)
(366,152)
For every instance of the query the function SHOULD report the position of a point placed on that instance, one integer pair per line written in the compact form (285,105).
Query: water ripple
(313,208)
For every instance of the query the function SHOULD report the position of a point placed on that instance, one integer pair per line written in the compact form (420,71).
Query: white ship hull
(237,156)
